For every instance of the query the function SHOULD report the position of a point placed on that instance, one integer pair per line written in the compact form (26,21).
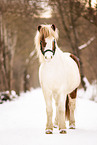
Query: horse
(59,77)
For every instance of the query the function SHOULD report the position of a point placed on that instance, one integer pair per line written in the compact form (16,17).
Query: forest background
(77,24)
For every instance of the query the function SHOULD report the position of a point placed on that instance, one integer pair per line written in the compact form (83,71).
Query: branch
(87,43)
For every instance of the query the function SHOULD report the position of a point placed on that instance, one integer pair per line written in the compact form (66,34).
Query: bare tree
(9,33)
(66,12)
(10,39)
(3,74)
(31,57)
(87,11)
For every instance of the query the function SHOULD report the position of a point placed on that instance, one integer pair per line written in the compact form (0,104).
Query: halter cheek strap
(43,52)
(41,47)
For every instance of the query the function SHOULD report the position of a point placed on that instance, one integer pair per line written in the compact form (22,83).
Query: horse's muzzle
(48,55)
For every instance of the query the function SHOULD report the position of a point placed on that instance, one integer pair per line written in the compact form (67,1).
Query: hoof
(48,131)
(72,127)
(62,131)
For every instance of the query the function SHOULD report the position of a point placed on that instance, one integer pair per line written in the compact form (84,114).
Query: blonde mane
(46,31)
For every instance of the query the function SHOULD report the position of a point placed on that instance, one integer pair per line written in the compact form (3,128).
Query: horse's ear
(53,27)
(39,27)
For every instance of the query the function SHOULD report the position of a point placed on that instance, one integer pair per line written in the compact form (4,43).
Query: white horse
(59,77)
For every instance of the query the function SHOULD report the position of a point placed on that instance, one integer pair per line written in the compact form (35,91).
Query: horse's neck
(59,56)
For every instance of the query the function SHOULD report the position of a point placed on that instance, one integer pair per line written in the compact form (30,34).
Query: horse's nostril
(51,57)
(45,57)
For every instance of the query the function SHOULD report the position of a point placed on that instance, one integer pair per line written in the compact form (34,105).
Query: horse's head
(48,48)
(48,35)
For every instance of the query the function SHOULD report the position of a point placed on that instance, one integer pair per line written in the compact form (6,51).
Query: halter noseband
(43,52)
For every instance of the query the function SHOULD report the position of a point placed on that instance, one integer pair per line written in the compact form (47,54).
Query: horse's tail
(67,110)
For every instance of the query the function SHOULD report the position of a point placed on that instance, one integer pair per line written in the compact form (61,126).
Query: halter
(43,52)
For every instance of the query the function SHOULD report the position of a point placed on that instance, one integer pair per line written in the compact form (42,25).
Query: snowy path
(22,122)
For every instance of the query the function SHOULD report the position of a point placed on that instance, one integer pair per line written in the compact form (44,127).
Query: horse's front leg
(61,114)
(56,118)
(49,112)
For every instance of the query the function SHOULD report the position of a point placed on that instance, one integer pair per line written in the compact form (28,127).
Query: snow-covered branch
(31,55)
(87,43)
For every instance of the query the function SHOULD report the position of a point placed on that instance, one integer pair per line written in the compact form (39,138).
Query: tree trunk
(10,43)
(73,40)
(3,77)
(76,50)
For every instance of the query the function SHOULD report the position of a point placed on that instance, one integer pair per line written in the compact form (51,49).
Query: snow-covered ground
(22,122)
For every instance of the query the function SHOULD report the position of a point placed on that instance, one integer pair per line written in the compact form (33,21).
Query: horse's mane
(45,31)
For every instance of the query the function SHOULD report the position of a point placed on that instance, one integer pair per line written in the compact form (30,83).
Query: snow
(22,122)
(91,91)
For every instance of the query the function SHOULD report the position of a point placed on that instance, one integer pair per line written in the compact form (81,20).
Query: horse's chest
(51,75)
(59,75)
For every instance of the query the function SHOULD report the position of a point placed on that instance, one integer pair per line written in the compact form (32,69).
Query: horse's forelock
(44,33)
(47,31)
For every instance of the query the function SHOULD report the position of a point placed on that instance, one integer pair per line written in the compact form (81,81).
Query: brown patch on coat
(44,33)
(43,41)
(73,94)
(75,59)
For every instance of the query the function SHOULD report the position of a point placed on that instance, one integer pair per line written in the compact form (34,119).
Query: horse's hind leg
(72,105)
